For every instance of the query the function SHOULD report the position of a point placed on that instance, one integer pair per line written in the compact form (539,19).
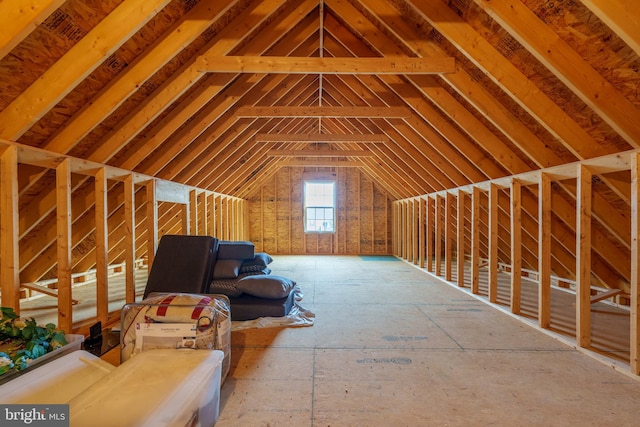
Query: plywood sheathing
(276,213)
(392,345)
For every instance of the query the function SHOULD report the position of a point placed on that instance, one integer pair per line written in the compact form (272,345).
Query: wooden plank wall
(442,233)
(363,216)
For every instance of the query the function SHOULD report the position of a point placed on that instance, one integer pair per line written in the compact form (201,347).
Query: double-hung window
(319,206)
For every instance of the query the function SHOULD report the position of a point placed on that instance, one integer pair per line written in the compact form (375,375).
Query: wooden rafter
(75,65)
(17,24)
(568,66)
(622,16)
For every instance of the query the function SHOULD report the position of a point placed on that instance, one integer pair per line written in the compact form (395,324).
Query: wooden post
(438,235)
(422,230)
(407,229)
(475,240)
(583,258)
(9,234)
(635,265)
(448,235)
(64,245)
(202,214)
(460,237)
(220,217)
(193,211)
(211,216)
(152,221)
(415,235)
(430,226)
(516,246)
(544,251)
(130,239)
(102,246)
(492,245)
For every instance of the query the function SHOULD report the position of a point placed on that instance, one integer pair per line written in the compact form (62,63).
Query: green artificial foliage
(23,340)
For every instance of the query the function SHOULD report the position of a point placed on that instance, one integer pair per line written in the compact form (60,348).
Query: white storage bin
(57,381)
(155,388)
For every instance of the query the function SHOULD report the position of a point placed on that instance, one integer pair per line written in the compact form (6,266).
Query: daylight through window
(319,207)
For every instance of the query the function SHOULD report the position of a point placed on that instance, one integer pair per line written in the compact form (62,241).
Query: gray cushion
(231,249)
(260,259)
(226,287)
(266,286)
(226,268)
(248,307)
(256,269)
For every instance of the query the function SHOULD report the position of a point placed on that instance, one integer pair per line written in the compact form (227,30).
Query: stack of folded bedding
(244,276)
(235,261)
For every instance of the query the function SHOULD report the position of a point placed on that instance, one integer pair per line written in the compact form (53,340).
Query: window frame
(305,207)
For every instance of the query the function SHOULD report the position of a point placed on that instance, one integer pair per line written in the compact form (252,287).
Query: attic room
(476,240)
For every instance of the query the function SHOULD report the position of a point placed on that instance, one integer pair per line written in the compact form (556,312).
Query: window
(319,207)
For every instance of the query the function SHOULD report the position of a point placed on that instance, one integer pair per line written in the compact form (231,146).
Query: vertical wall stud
(583,257)
(193,212)
(422,230)
(544,251)
(415,234)
(64,245)
(130,239)
(448,235)
(460,237)
(152,221)
(102,246)
(635,265)
(492,245)
(516,245)
(438,235)
(9,235)
(430,212)
(475,240)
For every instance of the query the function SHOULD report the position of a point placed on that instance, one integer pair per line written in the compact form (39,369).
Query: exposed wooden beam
(336,112)
(568,66)
(64,244)
(323,65)
(322,163)
(634,344)
(319,137)
(622,16)
(605,295)
(583,257)
(89,53)
(320,153)
(9,260)
(19,18)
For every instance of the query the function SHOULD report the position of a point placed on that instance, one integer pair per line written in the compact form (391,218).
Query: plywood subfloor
(395,346)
